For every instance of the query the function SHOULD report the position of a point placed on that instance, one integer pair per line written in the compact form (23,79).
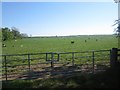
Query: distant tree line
(13,33)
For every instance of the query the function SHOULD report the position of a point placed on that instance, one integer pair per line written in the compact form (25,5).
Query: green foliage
(117,30)
(6,34)
(9,34)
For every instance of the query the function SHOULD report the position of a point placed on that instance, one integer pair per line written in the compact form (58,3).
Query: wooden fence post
(29,64)
(46,56)
(113,57)
(93,60)
(72,58)
(5,67)
(52,60)
(58,57)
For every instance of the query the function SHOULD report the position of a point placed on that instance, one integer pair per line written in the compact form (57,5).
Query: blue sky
(57,18)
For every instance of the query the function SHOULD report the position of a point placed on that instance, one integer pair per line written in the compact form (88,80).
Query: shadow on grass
(107,79)
(48,72)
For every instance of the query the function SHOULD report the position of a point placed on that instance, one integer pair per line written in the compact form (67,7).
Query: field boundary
(89,61)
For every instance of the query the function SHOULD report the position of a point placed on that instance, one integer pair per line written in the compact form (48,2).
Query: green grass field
(59,44)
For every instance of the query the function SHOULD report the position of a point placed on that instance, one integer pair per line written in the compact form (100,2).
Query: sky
(60,18)
(59,0)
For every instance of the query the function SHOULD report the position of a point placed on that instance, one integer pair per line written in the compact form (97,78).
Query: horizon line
(66,35)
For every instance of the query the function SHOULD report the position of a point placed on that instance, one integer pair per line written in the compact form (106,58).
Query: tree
(117,30)
(16,33)
(118,23)
(24,35)
(0,34)
(9,34)
(6,34)
(117,1)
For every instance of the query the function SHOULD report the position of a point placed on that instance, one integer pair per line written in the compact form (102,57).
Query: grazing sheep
(72,42)
(21,45)
(3,45)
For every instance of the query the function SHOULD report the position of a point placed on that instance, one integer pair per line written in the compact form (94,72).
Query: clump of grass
(17,84)
(72,84)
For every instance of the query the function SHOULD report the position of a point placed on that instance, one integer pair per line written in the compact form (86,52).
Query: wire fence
(36,65)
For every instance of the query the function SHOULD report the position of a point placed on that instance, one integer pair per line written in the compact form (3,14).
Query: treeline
(13,33)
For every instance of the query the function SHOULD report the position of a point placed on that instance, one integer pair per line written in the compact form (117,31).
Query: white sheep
(21,45)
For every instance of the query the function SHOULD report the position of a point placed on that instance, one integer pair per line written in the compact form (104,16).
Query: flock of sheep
(4,45)
(72,42)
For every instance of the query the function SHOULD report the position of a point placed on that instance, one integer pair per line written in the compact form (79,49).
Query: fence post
(93,60)
(46,56)
(5,67)
(29,64)
(52,60)
(58,57)
(72,58)
(113,57)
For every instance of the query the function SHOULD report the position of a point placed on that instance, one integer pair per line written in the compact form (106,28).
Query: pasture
(33,54)
(60,44)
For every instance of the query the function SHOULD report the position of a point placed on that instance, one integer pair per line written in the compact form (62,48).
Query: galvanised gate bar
(41,65)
